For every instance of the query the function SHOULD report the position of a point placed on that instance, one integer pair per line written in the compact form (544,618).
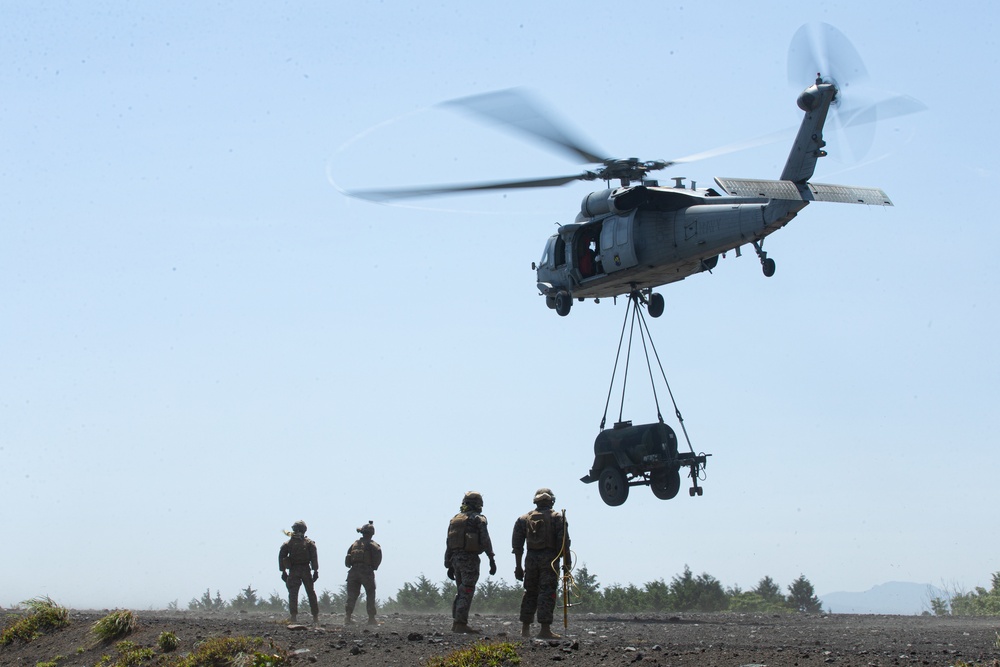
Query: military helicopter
(640,235)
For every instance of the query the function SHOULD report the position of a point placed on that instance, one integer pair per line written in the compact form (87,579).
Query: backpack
(463,533)
(540,530)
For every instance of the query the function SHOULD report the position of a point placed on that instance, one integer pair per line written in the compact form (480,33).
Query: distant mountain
(894,597)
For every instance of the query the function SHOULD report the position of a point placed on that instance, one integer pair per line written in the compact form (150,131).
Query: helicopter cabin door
(617,246)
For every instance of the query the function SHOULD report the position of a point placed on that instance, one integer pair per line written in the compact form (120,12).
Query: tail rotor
(820,51)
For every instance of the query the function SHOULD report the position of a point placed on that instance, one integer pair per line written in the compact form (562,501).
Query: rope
(614,372)
(567,573)
(632,308)
(677,411)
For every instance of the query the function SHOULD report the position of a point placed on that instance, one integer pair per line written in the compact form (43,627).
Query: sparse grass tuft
(167,642)
(50,663)
(238,651)
(42,615)
(116,625)
(129,655)
(480,654)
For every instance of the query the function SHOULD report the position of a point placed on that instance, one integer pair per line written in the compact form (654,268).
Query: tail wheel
(655,305)
(613,487)
(767,265)
(563,303)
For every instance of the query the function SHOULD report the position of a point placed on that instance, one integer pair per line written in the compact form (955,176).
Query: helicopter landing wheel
(563,303)
(695,491)
(767,265)
(655,305)
(550,301)
(612,486)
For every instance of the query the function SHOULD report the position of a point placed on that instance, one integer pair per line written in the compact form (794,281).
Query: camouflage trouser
(466,566)
(299,575)
(541,586)
(358,576)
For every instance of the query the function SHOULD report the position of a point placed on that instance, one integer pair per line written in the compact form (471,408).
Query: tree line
(977,602)
(684,592)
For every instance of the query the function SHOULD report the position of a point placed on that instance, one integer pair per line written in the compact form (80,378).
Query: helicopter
(640,235)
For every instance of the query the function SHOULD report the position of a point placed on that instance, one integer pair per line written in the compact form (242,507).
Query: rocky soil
(702,640)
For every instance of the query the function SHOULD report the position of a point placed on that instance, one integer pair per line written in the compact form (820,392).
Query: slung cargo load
(641,455)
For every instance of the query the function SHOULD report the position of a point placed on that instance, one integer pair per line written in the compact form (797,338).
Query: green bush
(116,625)
(241,650)
(168,642)
(480,654)
(129,655)
(42,616)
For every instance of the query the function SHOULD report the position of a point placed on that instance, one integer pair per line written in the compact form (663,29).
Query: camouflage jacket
(297,552)
(539,529)
(364,552)
(468,531)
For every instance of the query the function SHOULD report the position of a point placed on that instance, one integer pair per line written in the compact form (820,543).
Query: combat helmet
(367,529)
(544,496)
(299,527)
(472,500)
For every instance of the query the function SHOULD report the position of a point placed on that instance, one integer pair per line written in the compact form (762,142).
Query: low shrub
(42,615)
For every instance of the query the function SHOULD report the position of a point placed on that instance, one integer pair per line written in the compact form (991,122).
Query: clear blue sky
(202,340)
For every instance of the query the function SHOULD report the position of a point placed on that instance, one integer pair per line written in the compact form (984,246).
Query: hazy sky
(203,340)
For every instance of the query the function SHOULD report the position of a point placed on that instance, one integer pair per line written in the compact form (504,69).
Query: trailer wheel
(613,487)
(665,484)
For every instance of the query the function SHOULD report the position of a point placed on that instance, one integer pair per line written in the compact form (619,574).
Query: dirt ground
(703,640)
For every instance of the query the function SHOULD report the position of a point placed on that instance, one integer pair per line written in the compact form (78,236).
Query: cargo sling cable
(632,308)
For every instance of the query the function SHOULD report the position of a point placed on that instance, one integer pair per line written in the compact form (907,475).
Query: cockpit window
(545,254)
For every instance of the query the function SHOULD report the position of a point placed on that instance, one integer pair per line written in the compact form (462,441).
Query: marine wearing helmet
(468,537)
(545,534)
(363,558)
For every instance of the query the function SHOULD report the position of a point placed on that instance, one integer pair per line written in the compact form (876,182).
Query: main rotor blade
(763,140)
(413,193)
(513,108)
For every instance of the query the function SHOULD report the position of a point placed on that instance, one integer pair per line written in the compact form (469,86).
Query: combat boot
(372,621)
(347,619)
(526,629)
(315,619)
(463,628)
(546,632)
(293,617)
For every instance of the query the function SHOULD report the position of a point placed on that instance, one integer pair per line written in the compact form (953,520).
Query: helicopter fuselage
(667,235)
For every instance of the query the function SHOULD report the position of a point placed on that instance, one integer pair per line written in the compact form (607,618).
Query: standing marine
(363,557)
(296,558)
(468,537)
(544,532)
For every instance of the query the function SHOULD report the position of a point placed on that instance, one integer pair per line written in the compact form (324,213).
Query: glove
(315,575)
(284,576)
(519,573)
(493,567)
(451,573)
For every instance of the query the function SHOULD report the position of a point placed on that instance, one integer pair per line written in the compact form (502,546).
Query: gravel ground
(704,640)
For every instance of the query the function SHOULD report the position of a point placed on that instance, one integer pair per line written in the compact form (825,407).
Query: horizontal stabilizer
(843,194)
(849,194)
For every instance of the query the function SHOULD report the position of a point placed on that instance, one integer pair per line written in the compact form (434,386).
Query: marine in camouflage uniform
(468,537)
(295,558)
(363,557)
(543,531)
